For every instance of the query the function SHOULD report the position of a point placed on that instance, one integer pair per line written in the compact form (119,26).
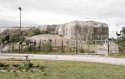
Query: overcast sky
(39,12)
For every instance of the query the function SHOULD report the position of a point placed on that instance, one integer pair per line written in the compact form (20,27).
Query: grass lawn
(117,55)
(69,70)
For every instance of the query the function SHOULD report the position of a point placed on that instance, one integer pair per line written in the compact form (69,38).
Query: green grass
(69,70)
(117,55)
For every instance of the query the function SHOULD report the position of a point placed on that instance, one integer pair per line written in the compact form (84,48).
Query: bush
(86,51)
(21,67)
(82,51)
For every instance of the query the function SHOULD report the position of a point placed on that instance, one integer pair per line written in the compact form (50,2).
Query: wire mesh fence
(70,46)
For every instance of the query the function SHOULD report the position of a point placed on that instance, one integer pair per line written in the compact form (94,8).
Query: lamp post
(20,9)
(20,15)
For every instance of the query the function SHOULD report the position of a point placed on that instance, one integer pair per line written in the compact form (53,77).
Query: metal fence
(65,46)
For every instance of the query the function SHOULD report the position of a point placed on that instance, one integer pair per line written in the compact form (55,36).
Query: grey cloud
(75,8)
(7,23)
(103,9)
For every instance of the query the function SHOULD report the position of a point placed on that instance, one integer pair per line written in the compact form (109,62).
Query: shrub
(82,51)
(86,51)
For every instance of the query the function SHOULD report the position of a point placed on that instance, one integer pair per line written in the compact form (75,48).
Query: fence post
(76,46)
(43,45)
(19,47)
(34,45)
(62,47)
(13,46)
(30,47)
(55,42)
(39,45)
(50,47)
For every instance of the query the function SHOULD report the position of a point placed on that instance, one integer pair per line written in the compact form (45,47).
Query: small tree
(121,40)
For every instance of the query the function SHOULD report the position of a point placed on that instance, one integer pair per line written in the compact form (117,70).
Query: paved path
(118,61)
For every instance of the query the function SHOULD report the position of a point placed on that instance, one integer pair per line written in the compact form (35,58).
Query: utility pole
(20,9)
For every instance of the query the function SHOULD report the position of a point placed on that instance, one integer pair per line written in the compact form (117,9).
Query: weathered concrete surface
(84,30)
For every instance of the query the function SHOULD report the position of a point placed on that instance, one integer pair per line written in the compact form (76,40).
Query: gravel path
(118,61)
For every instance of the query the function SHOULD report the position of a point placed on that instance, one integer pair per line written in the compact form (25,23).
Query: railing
(15,58)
